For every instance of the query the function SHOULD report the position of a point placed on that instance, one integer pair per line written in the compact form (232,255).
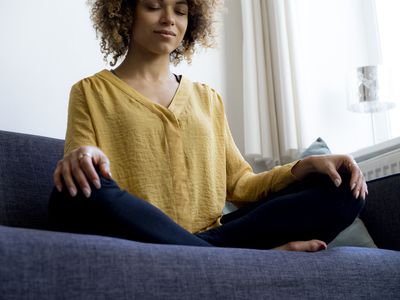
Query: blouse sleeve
(80,129)
(243,185)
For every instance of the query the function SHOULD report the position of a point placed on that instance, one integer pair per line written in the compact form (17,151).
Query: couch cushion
(44,265)
(26,166)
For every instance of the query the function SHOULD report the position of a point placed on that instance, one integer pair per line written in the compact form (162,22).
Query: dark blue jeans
(313,209)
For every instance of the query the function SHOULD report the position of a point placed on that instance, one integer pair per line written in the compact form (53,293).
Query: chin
(164,51)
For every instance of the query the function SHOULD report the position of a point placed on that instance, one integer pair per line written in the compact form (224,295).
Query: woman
(168,145)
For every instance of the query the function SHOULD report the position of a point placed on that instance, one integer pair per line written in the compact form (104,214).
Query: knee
(108,188)
(345,204)
(66,213)
(106,183)
(76,213)
(63,201)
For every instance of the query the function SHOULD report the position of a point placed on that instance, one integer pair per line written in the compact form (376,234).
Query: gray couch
(36,263)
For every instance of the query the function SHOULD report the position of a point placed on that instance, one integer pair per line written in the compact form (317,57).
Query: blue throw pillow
(318,147)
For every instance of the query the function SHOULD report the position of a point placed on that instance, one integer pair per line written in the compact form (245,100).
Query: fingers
(358,185)
(57,176)
(68,179)
(334,175)
(100,160)
(104,167)
(83,171)
(305,246)
(78,168)
(86,164)
(63,173)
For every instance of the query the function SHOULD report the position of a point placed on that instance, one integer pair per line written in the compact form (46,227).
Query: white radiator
(379,160)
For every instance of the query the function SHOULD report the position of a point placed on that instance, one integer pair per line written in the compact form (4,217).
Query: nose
(167,17)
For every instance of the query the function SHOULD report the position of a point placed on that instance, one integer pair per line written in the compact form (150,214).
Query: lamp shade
(366,94)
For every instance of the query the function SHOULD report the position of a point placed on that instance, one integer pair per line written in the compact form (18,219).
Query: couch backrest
(26,166)
(381,214)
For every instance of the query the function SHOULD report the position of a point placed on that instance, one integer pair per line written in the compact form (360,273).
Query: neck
(139,66)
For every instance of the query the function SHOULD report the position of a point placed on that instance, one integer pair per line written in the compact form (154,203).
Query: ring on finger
(82,155)
(351,165)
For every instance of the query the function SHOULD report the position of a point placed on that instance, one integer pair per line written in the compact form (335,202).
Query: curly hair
(113,21)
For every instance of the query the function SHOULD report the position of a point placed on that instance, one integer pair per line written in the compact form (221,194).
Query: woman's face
(159,25)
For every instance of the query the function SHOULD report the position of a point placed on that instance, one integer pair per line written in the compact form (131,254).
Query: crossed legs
(317,210)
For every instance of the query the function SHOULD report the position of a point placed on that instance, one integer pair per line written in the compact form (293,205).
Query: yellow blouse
(182,159)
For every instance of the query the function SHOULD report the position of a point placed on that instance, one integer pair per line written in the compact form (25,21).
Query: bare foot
(306,246)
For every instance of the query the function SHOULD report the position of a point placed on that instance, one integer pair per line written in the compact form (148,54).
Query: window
(331,39)
(388,24)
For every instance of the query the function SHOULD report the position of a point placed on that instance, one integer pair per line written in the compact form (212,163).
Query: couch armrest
(381,214)
(44,265)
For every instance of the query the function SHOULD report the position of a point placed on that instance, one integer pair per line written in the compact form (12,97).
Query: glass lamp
(367,94)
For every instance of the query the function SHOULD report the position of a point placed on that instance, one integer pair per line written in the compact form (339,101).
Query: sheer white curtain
(271,128)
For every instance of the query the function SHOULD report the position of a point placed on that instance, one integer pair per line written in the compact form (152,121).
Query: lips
(165,32)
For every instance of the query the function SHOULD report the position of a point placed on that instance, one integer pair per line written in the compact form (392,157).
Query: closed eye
(181,9)
(153,7)
(181,13)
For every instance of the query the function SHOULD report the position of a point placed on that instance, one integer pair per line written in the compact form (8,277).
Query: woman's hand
(329,165)
(80,166)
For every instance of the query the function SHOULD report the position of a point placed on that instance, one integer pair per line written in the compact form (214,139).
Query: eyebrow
(178,2)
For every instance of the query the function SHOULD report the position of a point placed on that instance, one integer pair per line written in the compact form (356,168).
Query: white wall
(49,45)
(46,47)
